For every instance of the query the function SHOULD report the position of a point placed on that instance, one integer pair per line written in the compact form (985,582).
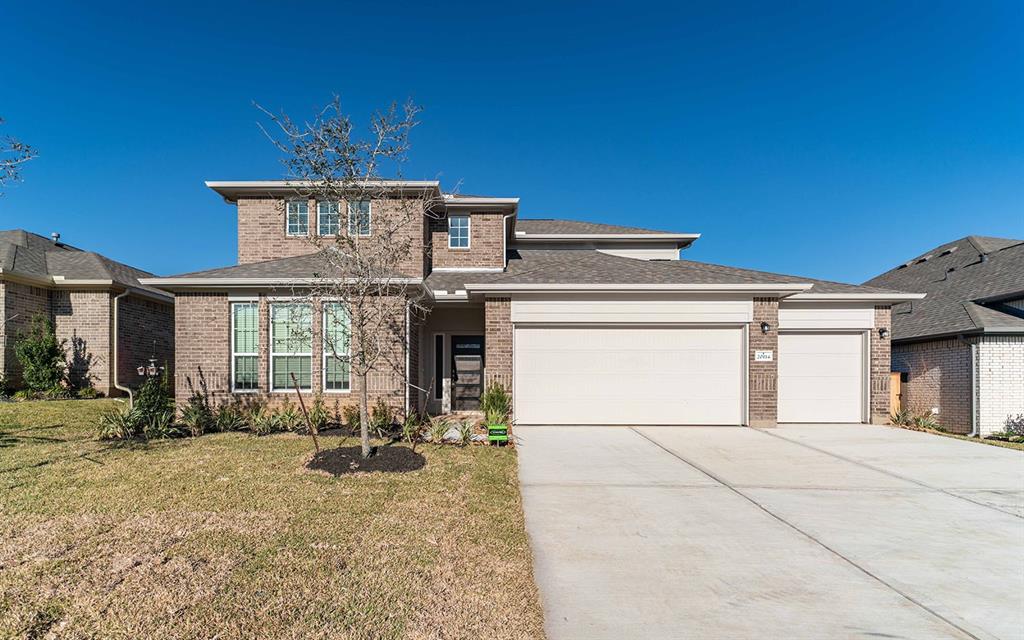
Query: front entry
(467,372)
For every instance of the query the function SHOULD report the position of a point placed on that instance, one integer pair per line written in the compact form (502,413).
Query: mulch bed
(348,460)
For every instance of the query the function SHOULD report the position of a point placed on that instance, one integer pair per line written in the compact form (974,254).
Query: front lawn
(230,536)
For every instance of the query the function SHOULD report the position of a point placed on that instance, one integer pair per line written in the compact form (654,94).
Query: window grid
(298,218)
(359,218)
(328,218)
(245,336)
(291,346)
(336,328)
(458,232)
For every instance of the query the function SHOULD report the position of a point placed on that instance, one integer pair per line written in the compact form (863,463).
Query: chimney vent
(56,237)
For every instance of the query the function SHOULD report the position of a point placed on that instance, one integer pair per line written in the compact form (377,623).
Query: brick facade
(82,319)
(498,342)
(145,329)
(763,382)
(880,367)
(486,243)
(938,376)
(19,303)
(1000,385)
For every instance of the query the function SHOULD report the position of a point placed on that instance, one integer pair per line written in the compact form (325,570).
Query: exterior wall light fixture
(765,327)
(883,333)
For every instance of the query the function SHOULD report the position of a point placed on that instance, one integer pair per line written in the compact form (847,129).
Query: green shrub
(926,421)
(229,417)
(496,418)
(319,416)
(351,416)
(21,395)
(87,393)
(466,430)
(290,418)
(901,417)
(263,420)
(160,425)
(438,429)
(154,398)
(496,401)
(382,417)
(119,424)
(41,356)
(412,429)
(197,416)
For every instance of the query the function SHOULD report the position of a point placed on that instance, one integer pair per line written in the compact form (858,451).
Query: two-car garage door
(629,375)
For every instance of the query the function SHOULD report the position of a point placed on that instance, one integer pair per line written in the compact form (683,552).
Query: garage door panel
(821,377)
(575,375)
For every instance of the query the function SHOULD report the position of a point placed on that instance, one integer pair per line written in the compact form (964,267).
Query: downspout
(504,240)
(408,355)
(131,398)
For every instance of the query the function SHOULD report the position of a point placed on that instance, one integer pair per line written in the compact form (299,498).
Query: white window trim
(326,354)
(469,232)
(369,217)
(319,219)
(235,354)
(270,348)
(287,213)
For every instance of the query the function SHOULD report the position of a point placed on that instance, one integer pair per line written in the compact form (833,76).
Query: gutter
(131,397)
(220,283)
(635,288)
(857,297)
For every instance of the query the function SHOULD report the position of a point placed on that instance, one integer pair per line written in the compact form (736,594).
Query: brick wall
(20,303)
(262,232)
(486,243)
(201,345)
(498,342)
(763,385)
(1000,381)
(82,320)
(880,367)
(938,376)
(145,328)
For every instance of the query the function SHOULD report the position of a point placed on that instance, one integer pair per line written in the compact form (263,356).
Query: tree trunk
(364,414)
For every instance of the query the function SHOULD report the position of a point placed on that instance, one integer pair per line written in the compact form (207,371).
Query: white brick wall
(1000,381)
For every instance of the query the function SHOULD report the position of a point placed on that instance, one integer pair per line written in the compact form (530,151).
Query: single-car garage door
(628,375)
(821,377)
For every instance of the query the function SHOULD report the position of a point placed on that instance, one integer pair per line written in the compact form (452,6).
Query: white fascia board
(856,297)
(444,296)
(785,288)
(606,237)
(469,269)
(459,200)
(221,283)
(231,189)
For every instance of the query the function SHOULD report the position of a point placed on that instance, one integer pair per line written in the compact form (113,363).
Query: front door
(467,372)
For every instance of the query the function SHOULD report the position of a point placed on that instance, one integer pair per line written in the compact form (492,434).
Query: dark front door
(467,372)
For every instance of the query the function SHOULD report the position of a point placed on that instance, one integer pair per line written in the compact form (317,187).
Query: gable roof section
(965,281)
(38,259)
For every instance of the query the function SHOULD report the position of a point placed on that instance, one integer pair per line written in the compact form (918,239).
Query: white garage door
(675,375)
(821,377)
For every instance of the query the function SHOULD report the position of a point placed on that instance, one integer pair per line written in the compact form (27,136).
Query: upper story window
(328,219)
(458,232)
(298,218)
(291,346)
(359,218)
(245,346)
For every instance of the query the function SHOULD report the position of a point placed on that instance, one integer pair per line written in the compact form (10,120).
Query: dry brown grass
(230,536)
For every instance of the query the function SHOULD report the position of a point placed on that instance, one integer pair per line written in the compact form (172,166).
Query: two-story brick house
(584,323)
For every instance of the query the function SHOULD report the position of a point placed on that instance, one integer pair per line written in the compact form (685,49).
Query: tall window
(298,218)
(359,218)
(291,346)
(328,218)
(336,347)
(458,232)
(245,347)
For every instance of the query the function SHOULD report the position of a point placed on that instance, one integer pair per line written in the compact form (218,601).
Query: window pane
(246,328)
(359,217)
(298,218)
(336,328)
(246,372)
(336,377)
(458,232)
(284,366)
(291,328)
(329,218)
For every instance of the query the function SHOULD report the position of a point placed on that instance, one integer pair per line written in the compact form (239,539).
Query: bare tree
(13,154)
(373,236)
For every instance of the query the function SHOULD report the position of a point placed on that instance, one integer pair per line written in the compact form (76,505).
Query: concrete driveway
(816,531)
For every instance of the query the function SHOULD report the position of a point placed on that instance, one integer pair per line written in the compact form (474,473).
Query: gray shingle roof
(299,267)
(955,276)
(587,266)
(553,225)
(29,254)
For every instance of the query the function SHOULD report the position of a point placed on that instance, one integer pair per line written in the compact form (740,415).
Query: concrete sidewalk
(716,532)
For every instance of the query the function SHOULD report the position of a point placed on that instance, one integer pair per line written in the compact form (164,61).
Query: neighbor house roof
(552,230)
(967,282)
(35,259)
(583,268)
(531,226)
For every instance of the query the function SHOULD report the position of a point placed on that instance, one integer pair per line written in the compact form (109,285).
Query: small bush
(901,417)
(87,393)
(153,399)
(119,424)
(160,425)
(466,430)
(21,395)
(496,401)
(438,429)
(926,421)
(229,417)
(289,418)
(319,416)
(351,416)
(494,417)
(197,416)
(412,429)
(382,417)
(41,355)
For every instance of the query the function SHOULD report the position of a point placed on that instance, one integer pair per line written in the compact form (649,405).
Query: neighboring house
(76,290)
(961,349)
(584,323)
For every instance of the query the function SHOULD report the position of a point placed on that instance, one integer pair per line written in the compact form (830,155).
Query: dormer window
(328,219)
(458,232)
(359,218)
(298,218)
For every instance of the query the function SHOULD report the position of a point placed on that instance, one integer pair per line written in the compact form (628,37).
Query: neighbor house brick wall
(20,303)
(145,329)
(880,367)
(763,383)
(938,376)
(486,243)
(1000,381)
(498,342)
(262,230)
(82,320)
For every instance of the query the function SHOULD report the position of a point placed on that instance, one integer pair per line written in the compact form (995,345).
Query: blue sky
(830,140)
